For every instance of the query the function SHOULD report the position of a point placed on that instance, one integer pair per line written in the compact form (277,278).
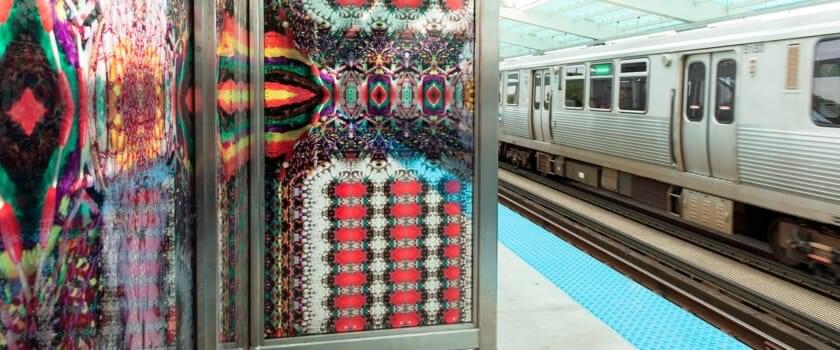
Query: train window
(634,67)
(632,87)
(825,105)
(696,91)
(575,72)
(600,94)
(537,94)
(575,86)
(725,100)
(600,86)
(512,90)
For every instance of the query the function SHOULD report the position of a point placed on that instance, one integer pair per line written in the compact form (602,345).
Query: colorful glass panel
(96,154)
(369,155)
(234,152)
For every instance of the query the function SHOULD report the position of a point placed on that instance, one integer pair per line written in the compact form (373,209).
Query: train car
(734,126)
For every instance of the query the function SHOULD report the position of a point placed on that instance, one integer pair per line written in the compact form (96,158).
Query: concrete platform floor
(533,314)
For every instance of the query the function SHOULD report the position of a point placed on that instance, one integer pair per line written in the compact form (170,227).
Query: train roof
(805,22)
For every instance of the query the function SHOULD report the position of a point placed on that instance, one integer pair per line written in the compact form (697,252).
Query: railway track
(756,317)
(742,252)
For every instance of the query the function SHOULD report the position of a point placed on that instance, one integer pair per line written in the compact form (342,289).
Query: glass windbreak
(233,122)
(369,193)
(96,174)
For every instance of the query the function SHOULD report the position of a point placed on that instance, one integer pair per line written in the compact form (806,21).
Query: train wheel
(781,235)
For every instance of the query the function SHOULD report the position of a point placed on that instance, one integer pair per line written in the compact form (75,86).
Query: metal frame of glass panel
(486,181)
(206,124)
(207,226)
(257,168)
(481,333)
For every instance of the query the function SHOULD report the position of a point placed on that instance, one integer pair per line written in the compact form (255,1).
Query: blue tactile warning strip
(645,319)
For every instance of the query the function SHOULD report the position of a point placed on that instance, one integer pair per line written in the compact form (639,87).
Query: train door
(695,134)
(708,130)
(722,129)
(541,98)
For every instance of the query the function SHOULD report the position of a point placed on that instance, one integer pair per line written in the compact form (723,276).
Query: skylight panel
(523,5)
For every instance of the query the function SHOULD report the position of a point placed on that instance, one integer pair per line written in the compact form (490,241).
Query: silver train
(735,127)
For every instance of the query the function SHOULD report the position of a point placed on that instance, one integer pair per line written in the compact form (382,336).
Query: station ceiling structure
(533,27)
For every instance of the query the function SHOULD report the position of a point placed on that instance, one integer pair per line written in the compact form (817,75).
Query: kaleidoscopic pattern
(394,243)
(369,114)
(294,92)
(95,174)
(234,152)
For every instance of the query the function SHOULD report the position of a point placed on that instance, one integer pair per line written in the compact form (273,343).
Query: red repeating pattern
(381,248)
(451,253)
(350,257)
(405,254)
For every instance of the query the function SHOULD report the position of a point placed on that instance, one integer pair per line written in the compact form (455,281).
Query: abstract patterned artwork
(234,137)
(96,174)
(369,155)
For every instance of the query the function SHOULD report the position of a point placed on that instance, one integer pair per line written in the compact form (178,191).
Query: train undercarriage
(792,241)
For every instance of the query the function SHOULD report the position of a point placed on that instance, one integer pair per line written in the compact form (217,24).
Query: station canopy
(533,27)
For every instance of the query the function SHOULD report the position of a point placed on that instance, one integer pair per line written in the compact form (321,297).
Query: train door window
(537,94)
(600,86)
(633,86)
(512,90)
(725,99)
(696,91)
(575,86)
(825,104)
(547,90)
(501,88)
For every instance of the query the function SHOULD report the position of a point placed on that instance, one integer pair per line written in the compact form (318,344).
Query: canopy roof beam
(684,10)
(557,23)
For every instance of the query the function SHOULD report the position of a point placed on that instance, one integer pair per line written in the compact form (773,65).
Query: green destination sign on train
(601,69)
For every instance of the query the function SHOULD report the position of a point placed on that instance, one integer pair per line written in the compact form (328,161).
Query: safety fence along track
(719,283)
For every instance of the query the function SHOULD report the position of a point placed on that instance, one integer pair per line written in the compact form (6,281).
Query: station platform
(554,296)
